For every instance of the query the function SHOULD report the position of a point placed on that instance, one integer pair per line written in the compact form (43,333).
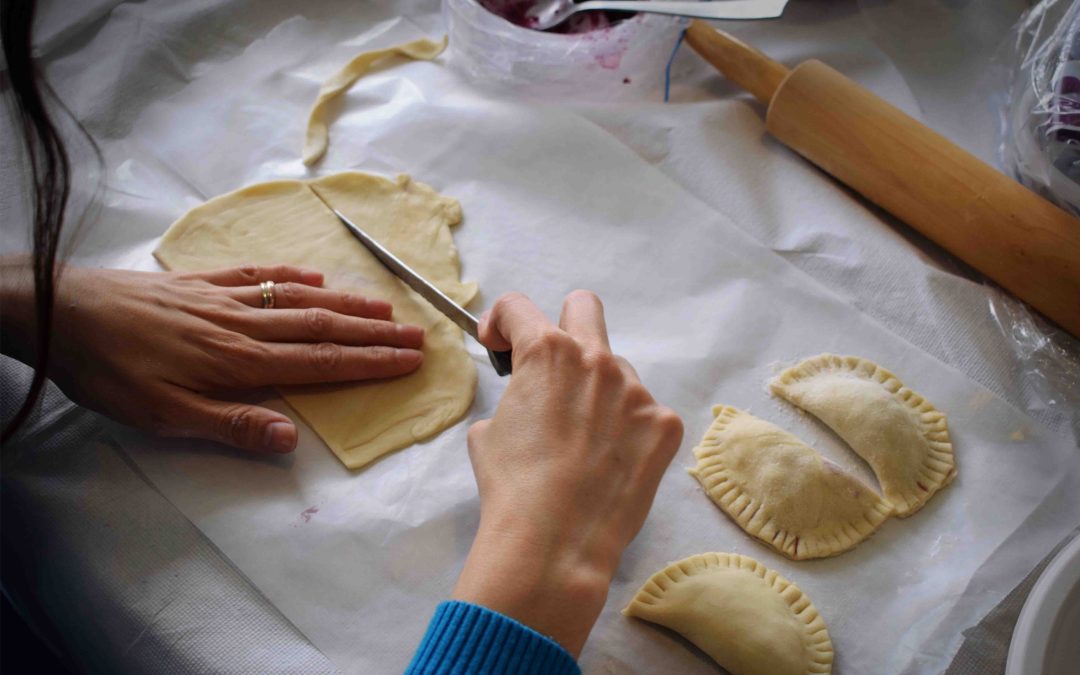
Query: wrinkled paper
(554,202)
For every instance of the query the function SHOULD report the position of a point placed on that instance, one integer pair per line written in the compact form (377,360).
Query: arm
(566,470)
(156,350)
(17,308)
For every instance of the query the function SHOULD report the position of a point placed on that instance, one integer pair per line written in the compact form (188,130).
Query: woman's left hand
(152,349)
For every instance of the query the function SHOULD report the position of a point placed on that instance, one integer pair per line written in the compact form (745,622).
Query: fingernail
(409,357)
(410,334)
(311,278)
(280,437)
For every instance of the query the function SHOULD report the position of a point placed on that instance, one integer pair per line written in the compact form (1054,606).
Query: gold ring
(267,288)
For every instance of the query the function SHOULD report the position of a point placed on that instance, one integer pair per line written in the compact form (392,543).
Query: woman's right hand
(566,470)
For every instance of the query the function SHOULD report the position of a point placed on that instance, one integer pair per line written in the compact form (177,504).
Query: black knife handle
(501,361)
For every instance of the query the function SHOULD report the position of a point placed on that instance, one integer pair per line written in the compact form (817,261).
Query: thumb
(243,426)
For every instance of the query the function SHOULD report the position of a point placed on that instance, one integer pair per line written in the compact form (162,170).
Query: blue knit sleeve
(470,639)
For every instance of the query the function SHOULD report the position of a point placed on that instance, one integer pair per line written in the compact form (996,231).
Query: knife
(439,300)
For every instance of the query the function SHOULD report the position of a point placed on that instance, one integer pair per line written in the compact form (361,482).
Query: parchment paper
(554,202)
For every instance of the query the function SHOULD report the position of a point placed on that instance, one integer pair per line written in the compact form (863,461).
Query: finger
(627,368)
(583,317)
(513,319)
(291,363)
(253,275)
(290,295)
(321,325)
(240,425)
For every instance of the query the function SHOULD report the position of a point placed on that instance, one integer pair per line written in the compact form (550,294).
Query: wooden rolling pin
(982,216)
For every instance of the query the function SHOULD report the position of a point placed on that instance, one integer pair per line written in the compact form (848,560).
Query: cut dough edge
(752,514)
(317,135)
(938,466)
(816,640)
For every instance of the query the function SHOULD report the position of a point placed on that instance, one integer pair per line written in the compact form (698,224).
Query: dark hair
(50,174)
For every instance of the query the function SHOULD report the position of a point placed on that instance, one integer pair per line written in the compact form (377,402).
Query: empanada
(748,618)
(903,438)
(781,491)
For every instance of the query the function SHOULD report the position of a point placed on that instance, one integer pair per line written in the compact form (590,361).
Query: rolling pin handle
(738,61)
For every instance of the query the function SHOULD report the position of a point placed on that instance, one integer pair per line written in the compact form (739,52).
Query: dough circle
(285,222)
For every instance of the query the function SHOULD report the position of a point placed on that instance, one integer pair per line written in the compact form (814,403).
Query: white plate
(1046,640)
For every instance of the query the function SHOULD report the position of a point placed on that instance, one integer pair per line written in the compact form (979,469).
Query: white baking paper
(553,202)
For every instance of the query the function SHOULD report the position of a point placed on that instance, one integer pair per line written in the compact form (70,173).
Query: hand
(566,470)
(151,349)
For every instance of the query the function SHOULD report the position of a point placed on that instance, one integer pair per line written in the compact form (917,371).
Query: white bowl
(1046,640)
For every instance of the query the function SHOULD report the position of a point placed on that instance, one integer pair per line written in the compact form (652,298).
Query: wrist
(544,584)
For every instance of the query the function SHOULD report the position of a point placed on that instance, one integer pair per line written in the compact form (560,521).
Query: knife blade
(414,280)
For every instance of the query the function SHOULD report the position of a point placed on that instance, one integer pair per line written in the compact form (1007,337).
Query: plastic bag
(1041,123)
(1040,147)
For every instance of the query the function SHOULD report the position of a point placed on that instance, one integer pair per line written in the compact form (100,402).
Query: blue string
(667,69)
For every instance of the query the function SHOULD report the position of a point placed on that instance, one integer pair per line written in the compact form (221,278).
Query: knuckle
(237,424)
(231,346)
(603,363)
(382,353)
(638,395)
(624,364)
(248,272)
(351,304)
(318,322)
(326,356)
(552,343)
(380,332)
(558,340)
(508,300)
(290,293)
(669,422)
(221,312)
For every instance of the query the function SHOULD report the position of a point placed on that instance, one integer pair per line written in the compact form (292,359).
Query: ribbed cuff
(465,638)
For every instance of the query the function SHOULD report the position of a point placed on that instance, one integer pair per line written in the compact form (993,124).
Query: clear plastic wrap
(1040,147)
(625,61)
(1041,124)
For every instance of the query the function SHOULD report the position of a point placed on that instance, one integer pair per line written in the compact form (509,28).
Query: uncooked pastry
(781,491)
(285,222)
(903,438)
(318,134)
(748,618)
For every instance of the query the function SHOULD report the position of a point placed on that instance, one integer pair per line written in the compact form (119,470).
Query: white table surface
(101,517)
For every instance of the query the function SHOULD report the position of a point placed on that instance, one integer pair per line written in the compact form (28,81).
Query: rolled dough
(285,222)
